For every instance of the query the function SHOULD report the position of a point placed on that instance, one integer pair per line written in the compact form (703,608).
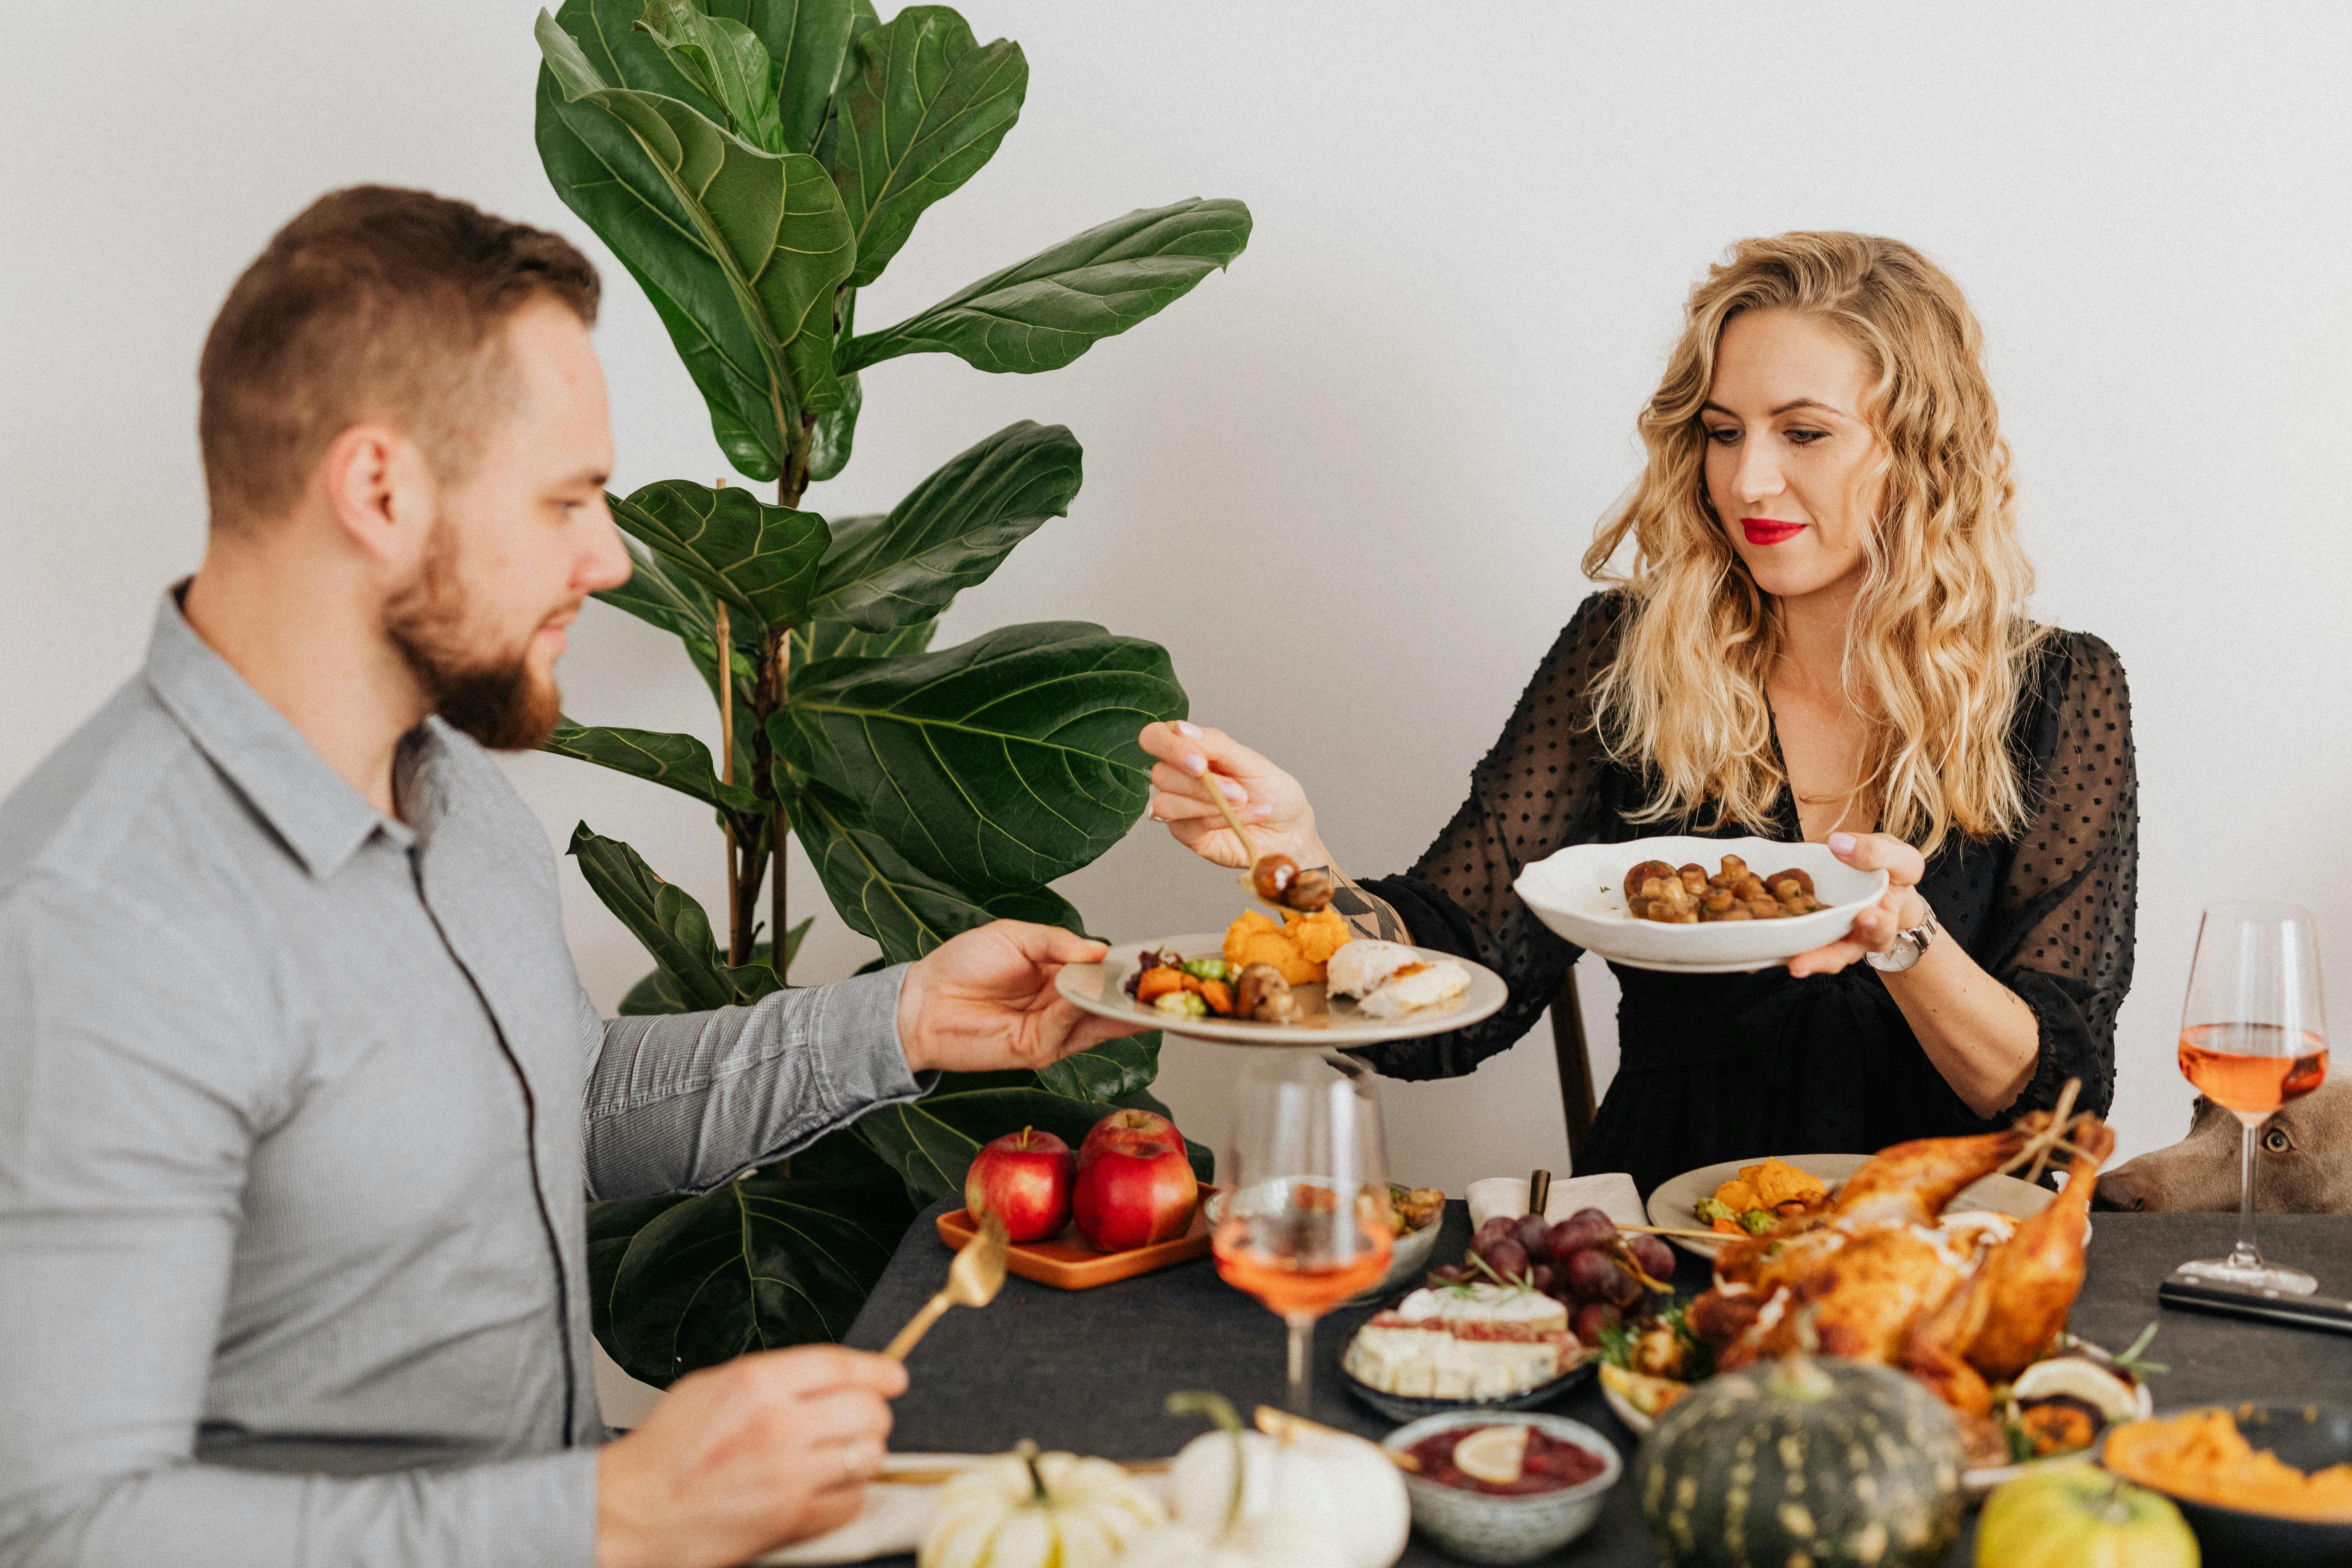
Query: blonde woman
(1819,632)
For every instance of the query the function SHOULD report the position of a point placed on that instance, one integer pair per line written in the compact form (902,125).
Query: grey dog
(2303,1163)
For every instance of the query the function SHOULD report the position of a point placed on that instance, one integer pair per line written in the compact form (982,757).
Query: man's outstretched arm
(684,1101)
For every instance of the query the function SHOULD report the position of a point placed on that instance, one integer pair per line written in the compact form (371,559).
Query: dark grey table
(1088,1370)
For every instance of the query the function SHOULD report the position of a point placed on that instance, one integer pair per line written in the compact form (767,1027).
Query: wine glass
(2251,1038)
(1305,1224)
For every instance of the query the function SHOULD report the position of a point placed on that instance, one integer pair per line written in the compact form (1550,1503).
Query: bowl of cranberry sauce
(1547,1464)
(1553,1494)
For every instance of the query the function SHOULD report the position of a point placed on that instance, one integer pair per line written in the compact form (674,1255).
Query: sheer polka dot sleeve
(1535,792)
(2060,924)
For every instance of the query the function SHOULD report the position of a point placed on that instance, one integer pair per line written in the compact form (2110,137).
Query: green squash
(1807,1462)
(2075,1516)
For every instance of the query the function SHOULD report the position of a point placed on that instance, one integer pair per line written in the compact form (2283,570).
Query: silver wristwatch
(1909,944)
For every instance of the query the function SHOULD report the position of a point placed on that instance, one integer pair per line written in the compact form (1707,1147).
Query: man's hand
(985,1002)
(740,1458)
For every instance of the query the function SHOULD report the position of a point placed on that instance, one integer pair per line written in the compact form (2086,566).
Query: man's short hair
(375,303)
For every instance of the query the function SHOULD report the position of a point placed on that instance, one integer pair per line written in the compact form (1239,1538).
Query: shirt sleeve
(131,1092)
(681,1103)
(2060,931)
(1535,792)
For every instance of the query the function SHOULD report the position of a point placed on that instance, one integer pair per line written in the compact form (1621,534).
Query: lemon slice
(1493,1454)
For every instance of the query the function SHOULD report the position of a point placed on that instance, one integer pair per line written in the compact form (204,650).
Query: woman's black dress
(1738,1065)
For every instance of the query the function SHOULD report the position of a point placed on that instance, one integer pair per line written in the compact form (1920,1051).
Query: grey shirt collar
(313,809)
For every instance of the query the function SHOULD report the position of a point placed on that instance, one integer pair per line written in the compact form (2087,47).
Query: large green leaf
(739,249)
(1047,310)
(837,427)
(930,1142)
(761,559)
(659,994)
(925,109)
(951,530)
(813,641)
(727,61)
(611,1227)
(880,895)
(672,926)
(1106,1073)
(998,764)
(809,42)
(756,1264)
(661,598)
(676,761)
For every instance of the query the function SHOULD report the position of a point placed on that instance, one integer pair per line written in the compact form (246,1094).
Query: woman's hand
(1190,760)
(1875,928)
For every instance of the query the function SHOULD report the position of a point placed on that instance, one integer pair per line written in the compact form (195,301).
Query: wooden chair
(1576,1103)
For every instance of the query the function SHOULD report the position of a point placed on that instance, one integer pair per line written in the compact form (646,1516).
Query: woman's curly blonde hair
(1938,646)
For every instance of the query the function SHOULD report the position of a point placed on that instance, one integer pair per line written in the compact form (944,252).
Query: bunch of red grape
(1582,1262)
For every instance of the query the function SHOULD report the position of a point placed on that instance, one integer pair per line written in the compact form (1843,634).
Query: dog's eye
(2276,1140)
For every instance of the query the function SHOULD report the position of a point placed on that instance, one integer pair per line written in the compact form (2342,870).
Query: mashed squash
(1299,948)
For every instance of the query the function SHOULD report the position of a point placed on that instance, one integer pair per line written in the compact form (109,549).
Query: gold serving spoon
(973,1280)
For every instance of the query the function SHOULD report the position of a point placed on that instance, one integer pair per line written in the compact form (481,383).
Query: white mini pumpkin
(1027,1510)
(1322,1488)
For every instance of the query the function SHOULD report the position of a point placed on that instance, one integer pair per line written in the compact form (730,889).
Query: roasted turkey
(1878,1276)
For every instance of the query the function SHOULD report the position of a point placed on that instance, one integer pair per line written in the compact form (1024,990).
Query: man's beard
(497,698)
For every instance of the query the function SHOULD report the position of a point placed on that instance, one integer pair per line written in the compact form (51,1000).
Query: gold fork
(973,1280)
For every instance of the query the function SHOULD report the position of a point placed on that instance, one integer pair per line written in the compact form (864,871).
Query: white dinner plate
(1670,1203)
(1324,1023)
(1580,893)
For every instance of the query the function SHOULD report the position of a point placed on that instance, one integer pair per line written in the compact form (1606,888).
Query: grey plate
(1410,1407)
(1670,1203)
(1100,989)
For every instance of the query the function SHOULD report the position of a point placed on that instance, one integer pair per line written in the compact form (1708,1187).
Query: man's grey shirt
(297,1108)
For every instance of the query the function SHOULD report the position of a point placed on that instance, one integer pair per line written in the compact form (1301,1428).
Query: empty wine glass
(2251,1038)
(1305,1223)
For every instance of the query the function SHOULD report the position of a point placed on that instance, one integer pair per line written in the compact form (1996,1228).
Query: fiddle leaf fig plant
(754,165)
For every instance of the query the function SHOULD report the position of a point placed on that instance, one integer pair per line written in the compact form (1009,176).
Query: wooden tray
(1067,1263)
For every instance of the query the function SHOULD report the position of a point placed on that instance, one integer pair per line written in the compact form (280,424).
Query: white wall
(1347,483)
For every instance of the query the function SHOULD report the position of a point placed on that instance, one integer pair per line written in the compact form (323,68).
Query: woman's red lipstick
(1769,530)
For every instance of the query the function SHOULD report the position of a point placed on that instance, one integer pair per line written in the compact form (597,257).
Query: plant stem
(737,939)
(780,662)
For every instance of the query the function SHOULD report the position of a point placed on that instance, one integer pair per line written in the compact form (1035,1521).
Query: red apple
(1134,1185)
(1024,1178)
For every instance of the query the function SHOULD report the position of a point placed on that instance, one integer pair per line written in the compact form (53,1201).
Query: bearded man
(299,1089)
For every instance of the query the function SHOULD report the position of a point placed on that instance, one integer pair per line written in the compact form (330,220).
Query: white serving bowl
(1485,1526)
(1580,893)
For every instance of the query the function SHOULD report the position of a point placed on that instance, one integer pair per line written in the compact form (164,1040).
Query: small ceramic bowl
(1481,1527)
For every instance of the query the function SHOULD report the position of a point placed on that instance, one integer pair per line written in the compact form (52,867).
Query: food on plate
(2061,1404)
(1391,980)
(1760,1197)
(1881,1275)
(1653,1396)
(1803,1459)
(1513,1460)
(2065,1516)
(1410,1208)
(1028,1510)
(2200,1455)
(1464,1341)
(1277,880)
(1135,1186)
(1687,895)
(1302,1500)
(1300,945)
(1024,1179)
